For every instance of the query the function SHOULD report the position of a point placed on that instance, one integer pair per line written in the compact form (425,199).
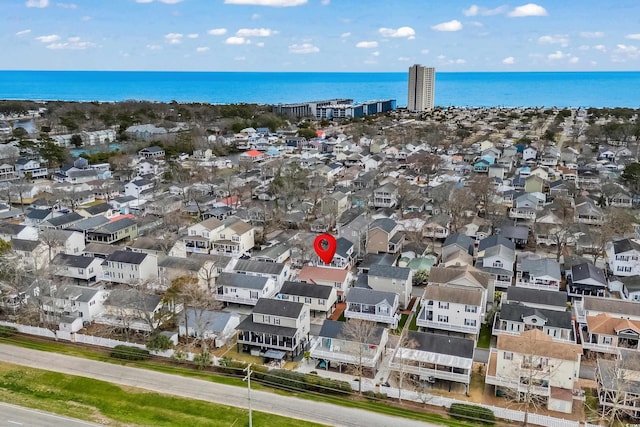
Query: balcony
(529,214)
(235,299)
(391,320)
(427,322)
(517,385)
(369,358)
(265,340)
(589,342)
(537,284)
(424,372)
(590,219)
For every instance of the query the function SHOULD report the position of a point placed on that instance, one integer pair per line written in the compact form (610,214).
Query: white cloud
(237,40)
(460,61)
(23,32)
(407,32)
(260,44)
(217,31)
(37,3)
(446,61)
(475,10)
(600,47)
(193,36)
(376,53)
(67,5)
(325,2)
(85,18)
(584,47)
(623,52)
(574,60)
(154,47)
(170,1)
(202,49)
(591,34)
(454,25)
(561,39)
(556,55)
(255,32)
(255,16)
(239,58)
(173,38)
(404,58)
(144,1)
(509,60)
(48,39)
(424,51)
(345,35)
(72,43)
(367,45)
(529,9)
(633,36)
(270,3)
(303,48)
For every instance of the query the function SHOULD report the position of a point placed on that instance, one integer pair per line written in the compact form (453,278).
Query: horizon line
(314,72)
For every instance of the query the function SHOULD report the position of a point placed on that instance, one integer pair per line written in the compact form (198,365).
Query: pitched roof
(128,257)
(304,289)
(459,239)
(467,296)
(541,267)
(515,312)
(610,305)
(442,344)
(451,274)
(370,296)
(57,221)
(311,274)
(606,324)
(261,267)
(74,261)
(538,343)
(335,329)
(390,272)
(587,271)
(243,281)
(385,224)
(537,296)
(278,307)
(625,245)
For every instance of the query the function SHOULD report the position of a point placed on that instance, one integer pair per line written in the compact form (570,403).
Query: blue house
(481,167)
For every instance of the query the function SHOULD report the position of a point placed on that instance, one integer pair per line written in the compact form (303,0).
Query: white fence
(504,413)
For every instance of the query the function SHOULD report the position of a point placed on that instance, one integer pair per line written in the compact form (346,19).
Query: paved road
(198,389)
(15,416)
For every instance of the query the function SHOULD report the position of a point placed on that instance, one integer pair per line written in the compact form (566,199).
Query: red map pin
(325,246)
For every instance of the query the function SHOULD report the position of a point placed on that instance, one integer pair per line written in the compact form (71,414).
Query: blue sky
(320,35)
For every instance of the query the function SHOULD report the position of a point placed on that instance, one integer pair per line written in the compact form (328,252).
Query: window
(320,301)
(470,322)
(470,309)
(276,320)
(443,319)
(205,234)
(606,340)
(307,300)
(266,319)
(81,271)
(508,355)
(235,238)
(443,305)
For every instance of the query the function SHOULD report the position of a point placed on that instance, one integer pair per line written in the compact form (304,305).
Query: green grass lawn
(484,339)
(110,404)
(413,326)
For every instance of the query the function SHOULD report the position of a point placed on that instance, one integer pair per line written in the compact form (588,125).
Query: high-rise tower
(421,88)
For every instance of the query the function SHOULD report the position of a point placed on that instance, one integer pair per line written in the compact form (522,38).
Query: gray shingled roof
(442,344)
(239,280)
(249,325)
(370,296)
(128,257)
(537,296)
(306,290)
(75,261)
(390,272)
(542,267)
(261,267)
(276,307)
(65,219)
(385,224)
(335,329)
(625,245)
(587,271)
(554,318)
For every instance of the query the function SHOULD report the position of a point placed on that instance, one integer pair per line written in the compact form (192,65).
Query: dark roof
(554,318)
(249,325)
(376,259)
(38,213)
(75,261)
(462,240)
(97,209)
(625,245)
(442,344)
(128,257)
(586,271)
(514,232)
(536,296)
(389,271)
(131,298)
(495,240)
(24,245)
(370,296)
(385,224)
(114,226)
(276,307)
(239,280)
(334,329)
(343,245)
(12,229)
(65,219)
(306,290)
(259,266)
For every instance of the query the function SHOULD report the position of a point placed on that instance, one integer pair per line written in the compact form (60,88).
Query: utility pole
(247,378)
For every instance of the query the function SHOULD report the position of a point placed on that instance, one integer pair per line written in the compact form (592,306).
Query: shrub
(372,395)
(472,412)
(127,352)
(7,331)
(202,360)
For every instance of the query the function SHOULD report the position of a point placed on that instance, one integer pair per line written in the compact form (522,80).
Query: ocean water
(485,89)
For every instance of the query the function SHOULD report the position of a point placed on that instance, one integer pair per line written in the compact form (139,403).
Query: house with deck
(372,305)
(320,298)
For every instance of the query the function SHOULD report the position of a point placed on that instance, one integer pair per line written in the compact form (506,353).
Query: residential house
(355,230)
(515,318)
(333,277)
(517,234)
(235,239)
(201,235)
(202,268)
(119,230)
(534,184)
(541,273)
(458,242)
(10,231)
(61,221)
(153,152)
(31,255)
(385,196)
(497,260)
(609,333)
(334,204)
(78,267)
(384,235)
(335,346)
(435,357)
(536,298)
(392,279)
(451,308)
(276,253)
(237,288)
(31,168)
(623,257)
(278,272)
(437,227)
(466,277)
(619,385)
(138,188)
(372,305)
(586,212)
(586,279)
(215,326)
(129,267)
(131,309)
(275,329)
(534,364)
(320,298)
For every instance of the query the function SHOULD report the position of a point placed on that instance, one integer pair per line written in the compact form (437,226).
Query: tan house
(534,366)
(384,236)
(334,204)
(333,277)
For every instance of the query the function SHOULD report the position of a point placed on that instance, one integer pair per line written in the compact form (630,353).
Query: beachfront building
(421,88)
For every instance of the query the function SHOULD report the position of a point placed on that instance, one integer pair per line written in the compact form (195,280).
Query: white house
(210,325)
(129,267)
(623,257)
(237,288)
(81,268)
(372,305)
(452,308)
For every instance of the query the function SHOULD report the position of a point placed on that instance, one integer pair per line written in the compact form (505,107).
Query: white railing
(447,326)
(334,356)
(236,299)
(390,320)
(517,213)
(516,385)
(430,372)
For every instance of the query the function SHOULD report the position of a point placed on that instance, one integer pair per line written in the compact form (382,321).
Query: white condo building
(421,88)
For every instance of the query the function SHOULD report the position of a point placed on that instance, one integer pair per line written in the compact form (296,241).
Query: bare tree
(408,343)
(618,222)
(53,239)
(617,387)
(562,232)
(459,203)
(359,335)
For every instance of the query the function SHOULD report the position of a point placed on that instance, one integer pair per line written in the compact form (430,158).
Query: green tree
(308,133)
(159,342)
(631,176)
(20,133)
(76,140)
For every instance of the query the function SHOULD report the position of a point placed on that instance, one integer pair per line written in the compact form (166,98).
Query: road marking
(14,422)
